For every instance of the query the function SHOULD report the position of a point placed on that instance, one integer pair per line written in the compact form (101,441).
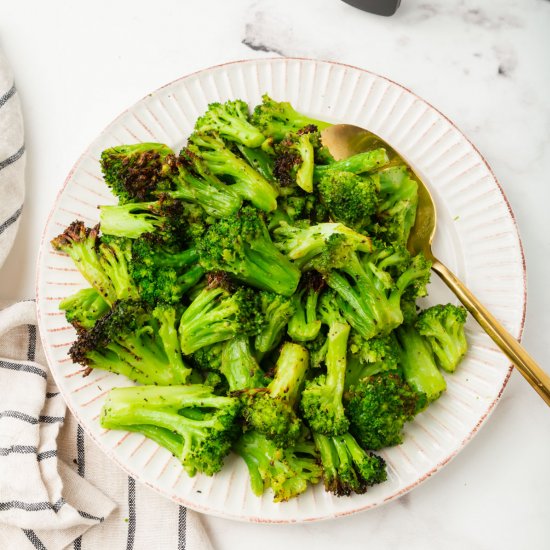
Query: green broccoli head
(347,468)
(84,308)
(295,159)
(271,410)
(378,407)
(350,198)
(230,121)
(321,402)
(241,245)
(163,273)
(304,244)
(396,212)
(277,310)
(102,261)
(443,327)
(286,471)
(193,423)
(276,119)
(137,172)
(304,325)
(216,315)
(136,341)
(242,178)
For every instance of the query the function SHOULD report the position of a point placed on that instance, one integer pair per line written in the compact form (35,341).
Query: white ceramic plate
(477,238)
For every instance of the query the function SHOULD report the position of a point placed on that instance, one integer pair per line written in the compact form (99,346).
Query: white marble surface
(484,63)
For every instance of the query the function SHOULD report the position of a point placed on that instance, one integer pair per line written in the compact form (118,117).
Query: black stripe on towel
(131,513)
(22,368)
(32,506)
(14,158)
(7,95)
(182,528)
(11,220)
(18,449)
(36,542)
(30,419)
(31,350)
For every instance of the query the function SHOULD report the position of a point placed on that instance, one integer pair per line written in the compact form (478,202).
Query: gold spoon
(345,140)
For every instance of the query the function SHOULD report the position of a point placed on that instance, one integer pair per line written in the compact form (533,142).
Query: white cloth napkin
(57,489)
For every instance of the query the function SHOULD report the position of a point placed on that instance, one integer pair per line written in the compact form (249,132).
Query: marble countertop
(483,63)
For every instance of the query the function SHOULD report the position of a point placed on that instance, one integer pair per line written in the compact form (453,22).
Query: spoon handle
(504,340)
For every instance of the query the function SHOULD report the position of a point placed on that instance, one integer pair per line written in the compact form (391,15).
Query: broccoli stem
(291,370)
(357,164)
(129,220)
(417,362)
(239,366)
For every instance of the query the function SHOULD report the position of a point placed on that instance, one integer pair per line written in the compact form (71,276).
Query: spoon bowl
(345,140)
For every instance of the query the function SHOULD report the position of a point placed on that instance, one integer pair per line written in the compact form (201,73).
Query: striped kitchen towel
(57,489)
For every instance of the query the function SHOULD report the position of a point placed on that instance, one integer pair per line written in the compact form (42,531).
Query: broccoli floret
(295,160)
(102,262)
(277,119)
(193,182)
(216,315)
(350,198)
(321,402)
(396,212)
(287,472)
(139,343)
(84,308)
(302,244)
(317,350)
(137,172)
(271,410)
(209,357)
(131,220)
(277,310)
(261,161)
(368,161)
(230,121)
(367,294)
(369,357)
(241,245)
(347,468)
(161,273)
(304,325)
(239,366)
(378,407)
(197,426)
(245,181)
(443,327)
(418,364)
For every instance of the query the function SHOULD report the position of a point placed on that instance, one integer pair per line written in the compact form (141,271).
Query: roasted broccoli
(286,471)
(241,245)
(163,273)
(321,402)
(443,327)
(102,262)
(137,172)
(271,410)
(347,468)
(304,325)
(295,160)
(396,211)
(216,315)
(302,244)
(369,161)
(277,310)
(140,343)
(195,425)
(276,119)
(84,308)
(244,180)
(378,407)
(350,198)
(239,366)
(418,364)
(230,121)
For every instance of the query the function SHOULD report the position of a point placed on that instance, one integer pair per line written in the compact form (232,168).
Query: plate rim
(251,518)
